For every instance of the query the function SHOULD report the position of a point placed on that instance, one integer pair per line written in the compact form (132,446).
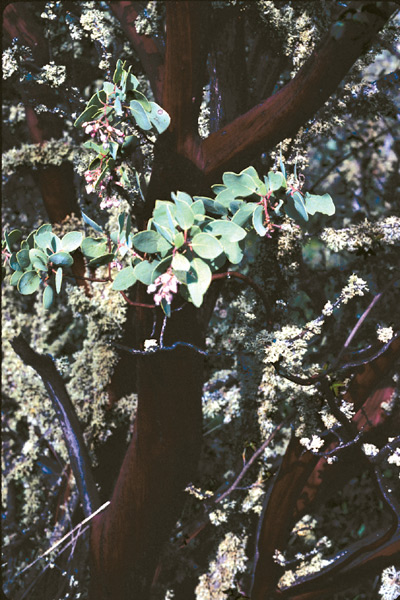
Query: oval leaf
(61,258)
(180,262)
(258,220)
(143,271)
(48,296)
(59,277)
(198,280)
(28,283)
(231,231)
(93,247)
(206,246)
(146,241)
(124,279)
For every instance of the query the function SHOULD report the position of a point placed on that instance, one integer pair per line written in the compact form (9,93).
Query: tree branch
(78,454)
(185,63)
(281,115)
(148,49)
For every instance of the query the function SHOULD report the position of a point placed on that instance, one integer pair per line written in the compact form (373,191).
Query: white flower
(385,334)
(390,588)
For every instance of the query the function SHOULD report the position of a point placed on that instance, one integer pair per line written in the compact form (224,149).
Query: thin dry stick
(96,512)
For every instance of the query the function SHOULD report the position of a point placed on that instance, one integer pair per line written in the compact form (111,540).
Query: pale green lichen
(230,560)
(33,156)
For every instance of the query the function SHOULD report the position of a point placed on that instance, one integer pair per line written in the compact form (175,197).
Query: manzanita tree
(148,279)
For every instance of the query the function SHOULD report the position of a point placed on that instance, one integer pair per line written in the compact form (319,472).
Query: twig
(96,512)
(131,303)
(247,466)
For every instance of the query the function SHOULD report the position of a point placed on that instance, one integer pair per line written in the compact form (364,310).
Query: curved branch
(78,454)
(281,115)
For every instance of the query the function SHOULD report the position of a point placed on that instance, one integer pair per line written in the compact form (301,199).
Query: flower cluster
(165,286)
(91,178)
(106,132)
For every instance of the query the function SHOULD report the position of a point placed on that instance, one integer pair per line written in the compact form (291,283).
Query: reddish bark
(160,461)
(281,115)
(148,50)
(303,475)
(185,63)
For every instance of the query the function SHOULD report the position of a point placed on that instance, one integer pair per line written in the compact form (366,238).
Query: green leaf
(164,214)
(28,283)
(198,280)
(113,149)
(14,264)
(118,106)
(91,223)
(93,247)
(61,258)
(118,71)
(144,270)
(281,164)
(184,215)
(30,240)
(231,231)
(108,87)
(55,243)
(23,259)
(242,216)
(179,239)
(71,241)
(140,115)
(160,268)
(88,115)
(59,278)
(276,181)
(212,206)
(198,208)
(48,297)
(299,205)
(233,251)
(15,277)
(183,197)
(141,98)
(91,145)
(146,241)
(102,175)
(38,259)
(159,117)
(206,246)
(124,279)
(99,261)
(258,220)
(166,307)
(225,197)
(165,232)
(180,262)
(322,204)
(43,239)
(132,82)
(239,184)
(11,238)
